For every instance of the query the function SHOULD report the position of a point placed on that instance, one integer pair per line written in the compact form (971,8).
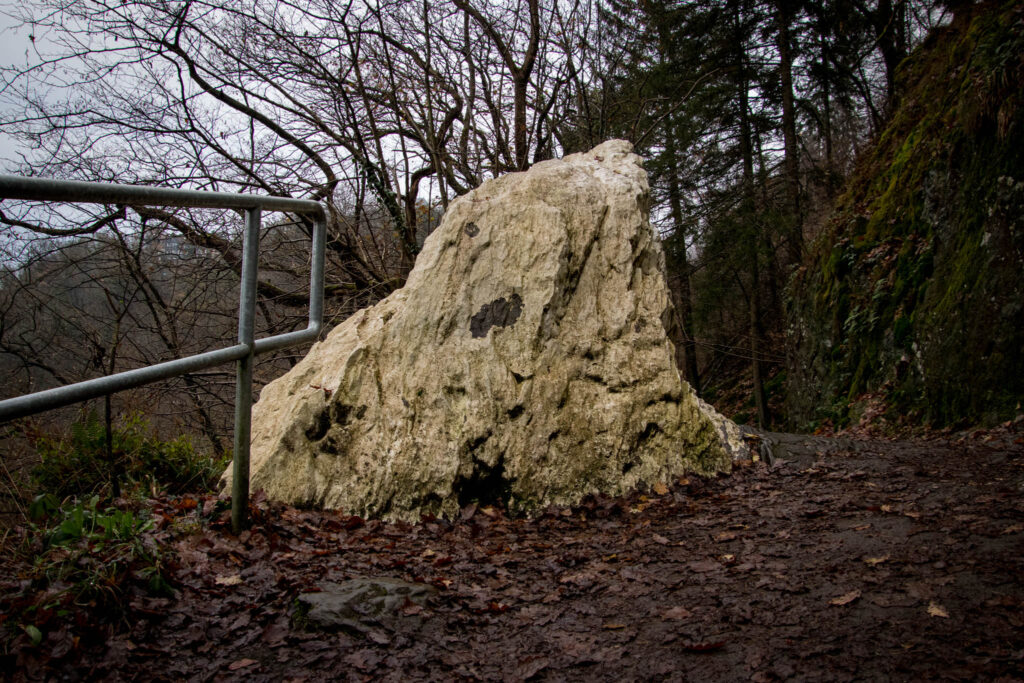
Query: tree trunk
(795,234)
(519,123)
(889,22)
(760,401)
(754,234)
(684,302)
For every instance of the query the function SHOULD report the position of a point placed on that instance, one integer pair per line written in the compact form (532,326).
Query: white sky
(15,48)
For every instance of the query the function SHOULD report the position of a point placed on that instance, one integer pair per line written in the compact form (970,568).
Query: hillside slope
(915,292)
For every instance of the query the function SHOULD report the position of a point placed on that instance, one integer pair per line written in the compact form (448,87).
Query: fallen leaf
(862,527)
(845,599)
(704,647)
(530,667)
(1016,528)
(876,560)
(886,508)
(411,609)
(241,621)
(660,489)
(660,540)
(937,610)
(912,514)
(241,664)
(232,580)
(725,536)
(378,636)
(275,633)
(678,612)
(613,626)
(34,634)
(364,659)
(353,523)
(701,566)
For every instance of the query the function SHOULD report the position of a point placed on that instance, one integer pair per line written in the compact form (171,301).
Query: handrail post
(243,353)
(243,380)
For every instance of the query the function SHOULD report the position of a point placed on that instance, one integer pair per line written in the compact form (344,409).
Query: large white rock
(526,360)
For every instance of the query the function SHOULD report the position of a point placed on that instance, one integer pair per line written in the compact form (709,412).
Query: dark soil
(866,560)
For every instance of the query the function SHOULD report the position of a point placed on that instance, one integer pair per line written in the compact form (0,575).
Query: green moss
(902,329)
(911,290)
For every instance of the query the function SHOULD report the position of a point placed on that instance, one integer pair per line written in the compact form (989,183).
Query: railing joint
(243,353)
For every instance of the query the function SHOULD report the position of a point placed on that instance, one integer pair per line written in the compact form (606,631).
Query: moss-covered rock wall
(915,292)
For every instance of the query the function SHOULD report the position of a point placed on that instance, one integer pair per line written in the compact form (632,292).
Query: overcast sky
(14,50)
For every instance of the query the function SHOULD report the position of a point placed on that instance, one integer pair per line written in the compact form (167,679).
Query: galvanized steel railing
(243,353)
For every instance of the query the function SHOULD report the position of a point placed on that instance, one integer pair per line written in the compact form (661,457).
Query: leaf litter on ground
(817,576)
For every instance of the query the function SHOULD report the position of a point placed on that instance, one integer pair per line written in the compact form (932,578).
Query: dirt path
(864,560)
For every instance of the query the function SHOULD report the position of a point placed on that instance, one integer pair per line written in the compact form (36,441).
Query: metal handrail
(243,353)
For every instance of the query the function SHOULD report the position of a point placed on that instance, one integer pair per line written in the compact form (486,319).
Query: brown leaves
(232,580)
(241,664)
(677,612)
(845,599)
(627,595)
(705,647)
(703,566)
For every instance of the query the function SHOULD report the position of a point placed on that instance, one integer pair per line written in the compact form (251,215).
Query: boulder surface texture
(525,362)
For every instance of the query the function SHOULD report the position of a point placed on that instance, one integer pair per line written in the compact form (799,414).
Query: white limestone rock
(526,359)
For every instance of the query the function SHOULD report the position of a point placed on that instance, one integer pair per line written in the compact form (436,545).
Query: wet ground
(843,560)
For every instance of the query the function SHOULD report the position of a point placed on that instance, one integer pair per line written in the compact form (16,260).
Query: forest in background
(751,116)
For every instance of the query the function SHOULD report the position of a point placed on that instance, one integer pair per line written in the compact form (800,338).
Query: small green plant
(91,548)
(80,464)
(83,553)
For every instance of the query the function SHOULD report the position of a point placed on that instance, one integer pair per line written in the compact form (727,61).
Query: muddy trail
(842,560)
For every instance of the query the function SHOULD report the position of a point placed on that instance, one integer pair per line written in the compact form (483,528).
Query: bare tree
(383,110)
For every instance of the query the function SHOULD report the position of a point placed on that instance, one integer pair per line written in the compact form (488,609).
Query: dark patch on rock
(650,429)
(471,229)
(499,313)
(329,445)
(487,485)
(319,428)
(344,414)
